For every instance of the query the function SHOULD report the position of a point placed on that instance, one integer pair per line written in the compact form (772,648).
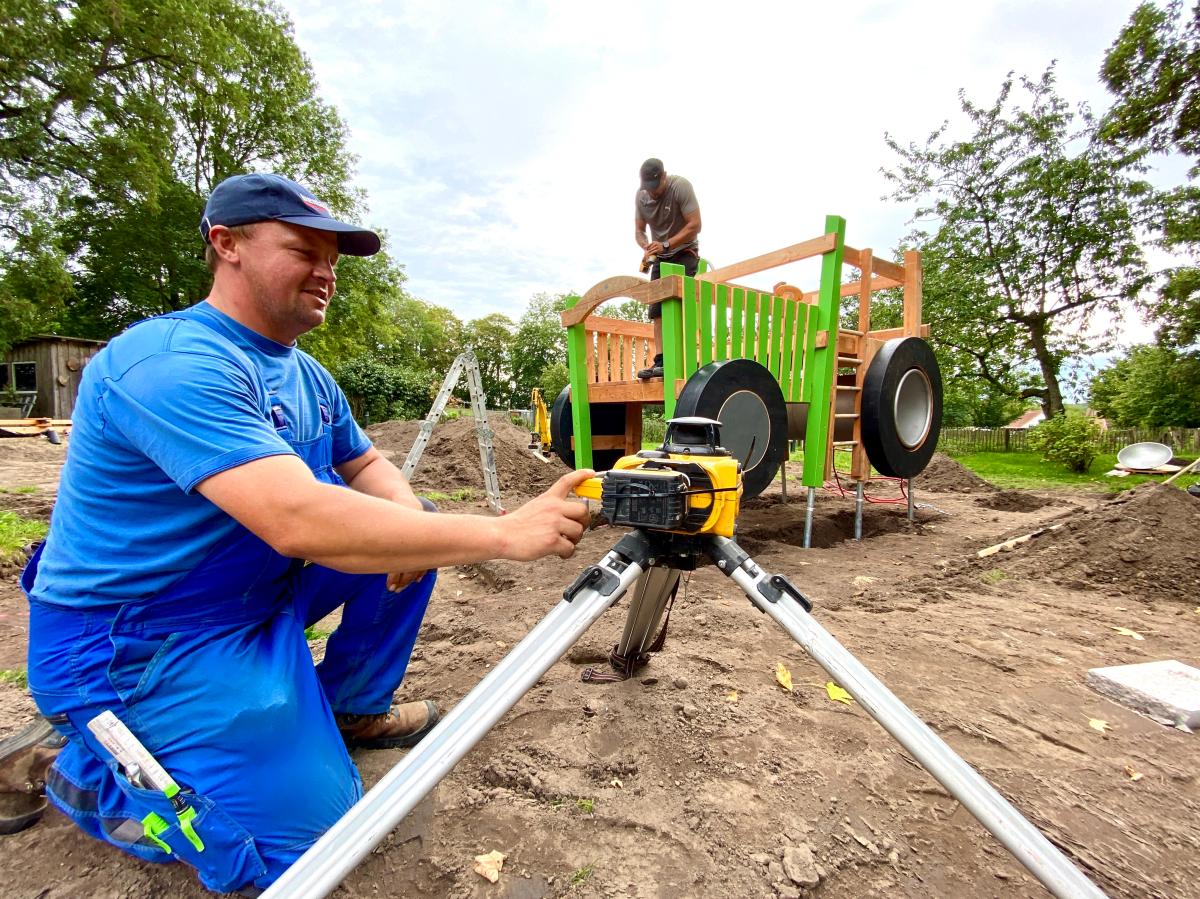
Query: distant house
(44,371)
(1027,420)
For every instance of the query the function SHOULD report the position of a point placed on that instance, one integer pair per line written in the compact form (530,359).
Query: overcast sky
(499,143)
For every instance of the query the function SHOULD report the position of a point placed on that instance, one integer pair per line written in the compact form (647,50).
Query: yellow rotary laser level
(690,485)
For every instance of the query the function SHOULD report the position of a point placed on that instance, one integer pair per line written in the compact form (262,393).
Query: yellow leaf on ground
(1133,775)
(1126,632)
(489,865)
(837,694)
(783,676)
(732,696)
(1099,724)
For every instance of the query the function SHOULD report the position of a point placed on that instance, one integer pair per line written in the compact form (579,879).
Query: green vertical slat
(786,350)
(810,354)
(751,335)
(764,328)
(672,322)
(581,418)
(706,322)
(793,389)
(816,437)
(691,312)
(774,356)
(739,297)
(721,347)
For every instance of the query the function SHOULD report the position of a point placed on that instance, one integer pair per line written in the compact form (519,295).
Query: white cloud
(499,143)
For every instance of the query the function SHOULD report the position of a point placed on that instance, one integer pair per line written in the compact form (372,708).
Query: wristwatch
(666,245)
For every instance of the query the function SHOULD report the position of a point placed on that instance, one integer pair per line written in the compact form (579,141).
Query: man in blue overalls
(203,521)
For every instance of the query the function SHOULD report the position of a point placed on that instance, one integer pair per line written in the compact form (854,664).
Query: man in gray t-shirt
(667,204)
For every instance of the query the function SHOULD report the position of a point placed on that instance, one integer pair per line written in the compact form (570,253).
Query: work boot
(654,371)
(25,758)
(399,727)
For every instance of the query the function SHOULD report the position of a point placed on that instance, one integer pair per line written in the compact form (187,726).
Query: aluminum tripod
(319,871)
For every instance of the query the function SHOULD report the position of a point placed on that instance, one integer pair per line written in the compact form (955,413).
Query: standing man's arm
(639,234)
(691,228)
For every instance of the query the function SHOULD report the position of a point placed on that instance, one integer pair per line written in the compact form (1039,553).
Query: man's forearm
(381,478)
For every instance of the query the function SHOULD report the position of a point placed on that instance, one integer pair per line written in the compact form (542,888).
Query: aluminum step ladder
(487,456)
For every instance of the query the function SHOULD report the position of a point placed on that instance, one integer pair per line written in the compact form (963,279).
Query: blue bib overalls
(214,676)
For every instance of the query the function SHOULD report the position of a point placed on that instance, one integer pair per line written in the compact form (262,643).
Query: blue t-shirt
(172,401)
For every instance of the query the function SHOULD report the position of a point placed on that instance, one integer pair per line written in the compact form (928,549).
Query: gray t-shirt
(665,215)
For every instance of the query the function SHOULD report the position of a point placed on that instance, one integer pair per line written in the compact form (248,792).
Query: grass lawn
(1027,470)
(16,533)
(1030,471)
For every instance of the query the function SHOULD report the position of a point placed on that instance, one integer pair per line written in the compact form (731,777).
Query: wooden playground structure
(876,392)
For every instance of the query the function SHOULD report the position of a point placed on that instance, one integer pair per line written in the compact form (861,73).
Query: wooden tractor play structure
(771,366)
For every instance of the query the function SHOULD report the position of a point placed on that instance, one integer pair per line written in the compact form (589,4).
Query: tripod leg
(318,872)
(651,594)
(776,596)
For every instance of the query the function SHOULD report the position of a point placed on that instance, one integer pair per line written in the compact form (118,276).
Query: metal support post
(783,478)
(808,517)
(774,595)
(318,872)
(858,510)
(910,500)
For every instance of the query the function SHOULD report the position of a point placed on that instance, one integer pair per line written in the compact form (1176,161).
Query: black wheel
(902,407)
(747,401)
(608,419)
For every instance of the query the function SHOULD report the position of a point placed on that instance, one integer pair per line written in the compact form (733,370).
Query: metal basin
(1144,456)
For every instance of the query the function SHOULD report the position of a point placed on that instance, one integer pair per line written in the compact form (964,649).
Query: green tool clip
(154,825)
(184,813)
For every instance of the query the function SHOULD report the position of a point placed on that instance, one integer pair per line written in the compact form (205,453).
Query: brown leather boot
(25,758)
(399,727)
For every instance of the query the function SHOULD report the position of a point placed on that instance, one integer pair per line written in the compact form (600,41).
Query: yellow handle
(589,489)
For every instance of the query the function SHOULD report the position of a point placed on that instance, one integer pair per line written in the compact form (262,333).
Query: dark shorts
(690,262)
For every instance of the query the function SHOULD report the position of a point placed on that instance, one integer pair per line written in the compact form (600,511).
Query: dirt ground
(702,776)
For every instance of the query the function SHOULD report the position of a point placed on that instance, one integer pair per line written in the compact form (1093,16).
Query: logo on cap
(313,204)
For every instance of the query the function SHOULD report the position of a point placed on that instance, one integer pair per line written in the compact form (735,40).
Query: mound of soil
(1142,542)
(451,458)
(944,475)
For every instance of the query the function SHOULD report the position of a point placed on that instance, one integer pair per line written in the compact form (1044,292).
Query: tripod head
(690,485)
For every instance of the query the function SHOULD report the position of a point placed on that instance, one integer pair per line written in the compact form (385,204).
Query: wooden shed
(45,371)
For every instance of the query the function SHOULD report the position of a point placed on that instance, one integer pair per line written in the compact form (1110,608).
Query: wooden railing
(616,349)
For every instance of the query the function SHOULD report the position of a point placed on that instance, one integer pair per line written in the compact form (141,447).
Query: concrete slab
(1167,691)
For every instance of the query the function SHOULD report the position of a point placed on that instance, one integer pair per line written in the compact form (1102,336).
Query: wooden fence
(1184,441)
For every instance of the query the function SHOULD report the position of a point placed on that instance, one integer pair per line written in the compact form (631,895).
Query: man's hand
(398,580)
(653,248)
(551,524)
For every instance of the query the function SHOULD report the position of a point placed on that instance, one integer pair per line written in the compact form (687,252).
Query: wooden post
(866,257)
(672,348)
(913,279)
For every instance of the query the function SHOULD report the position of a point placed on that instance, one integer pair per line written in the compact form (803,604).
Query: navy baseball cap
(245,199)
(651,173)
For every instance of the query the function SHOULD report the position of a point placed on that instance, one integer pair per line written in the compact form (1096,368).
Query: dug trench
(702,775)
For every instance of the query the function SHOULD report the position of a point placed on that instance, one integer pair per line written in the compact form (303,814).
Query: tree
(1033,234)
(540,342)
(117,117)
(1153,68)
(491,339)
(1151,387)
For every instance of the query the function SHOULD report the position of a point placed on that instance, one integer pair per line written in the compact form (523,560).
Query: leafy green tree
(553,379)
(378,391)
(1153,68)
(1151,387)
(117,117)
(1033,233)
(540,342)
(426,335)
(491,339)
